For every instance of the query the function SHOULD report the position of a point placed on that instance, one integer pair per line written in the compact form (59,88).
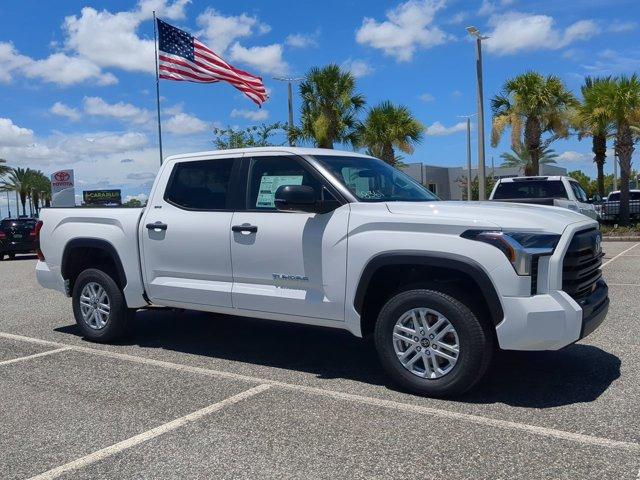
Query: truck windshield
(530,189)
(372,180)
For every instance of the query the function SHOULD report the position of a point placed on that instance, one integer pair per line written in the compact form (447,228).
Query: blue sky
(77,84)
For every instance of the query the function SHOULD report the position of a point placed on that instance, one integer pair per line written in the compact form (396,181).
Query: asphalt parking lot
(194,395)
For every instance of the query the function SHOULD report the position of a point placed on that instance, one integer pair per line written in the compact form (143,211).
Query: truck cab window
(267,174)
(201,185)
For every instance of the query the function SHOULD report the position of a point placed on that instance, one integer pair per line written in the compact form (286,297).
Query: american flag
(182,57)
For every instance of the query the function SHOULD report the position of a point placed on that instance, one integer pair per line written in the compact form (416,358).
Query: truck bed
(117,226)
(534,201)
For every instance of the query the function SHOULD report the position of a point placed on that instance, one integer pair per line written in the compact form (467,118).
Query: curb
(620,239)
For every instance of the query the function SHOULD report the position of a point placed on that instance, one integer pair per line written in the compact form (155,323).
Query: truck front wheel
(432,344)
(99,306)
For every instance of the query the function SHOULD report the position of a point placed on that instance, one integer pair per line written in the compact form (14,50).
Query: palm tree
(389,126)
(624,102)
(329,107)
(4,169)
(19,180)
(521,158)
(40,190)
(532,105)
(593,117)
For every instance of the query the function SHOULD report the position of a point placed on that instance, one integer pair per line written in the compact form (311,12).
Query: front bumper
(551,321)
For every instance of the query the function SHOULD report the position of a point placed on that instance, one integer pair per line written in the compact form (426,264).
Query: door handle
(244,228)
(156,226)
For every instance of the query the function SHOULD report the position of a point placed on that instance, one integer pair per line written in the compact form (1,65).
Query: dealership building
(446,182)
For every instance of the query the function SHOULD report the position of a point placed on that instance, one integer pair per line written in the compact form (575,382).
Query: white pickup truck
(336,239)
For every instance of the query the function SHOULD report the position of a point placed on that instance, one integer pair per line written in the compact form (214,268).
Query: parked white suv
(341,240)
(558,191)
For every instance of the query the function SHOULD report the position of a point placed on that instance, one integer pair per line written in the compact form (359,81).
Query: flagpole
(155,46)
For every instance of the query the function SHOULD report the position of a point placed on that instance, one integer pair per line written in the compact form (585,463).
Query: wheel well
(83,255)
(388,280)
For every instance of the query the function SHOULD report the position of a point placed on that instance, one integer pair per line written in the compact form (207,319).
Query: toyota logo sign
(62,176)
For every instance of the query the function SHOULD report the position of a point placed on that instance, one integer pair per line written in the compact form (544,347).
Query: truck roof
(539,177)
(291,150)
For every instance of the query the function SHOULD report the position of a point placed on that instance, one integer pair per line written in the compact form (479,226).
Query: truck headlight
(521,248)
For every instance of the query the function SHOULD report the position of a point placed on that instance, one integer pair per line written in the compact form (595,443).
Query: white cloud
(13,135)
(126,112)
(458,18)
(437,129)
(622,27)
(571,156)
(58,68)
(267,59)
(488,7)
(514,32)
(100,143)
(184,124)
(302,40)
(358,68)
(613,62)
(409,26)
(253,115)
(427,97)
(66,111)
(141,176)
(219,31)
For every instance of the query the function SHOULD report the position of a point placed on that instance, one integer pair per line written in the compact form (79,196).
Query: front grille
(581,266)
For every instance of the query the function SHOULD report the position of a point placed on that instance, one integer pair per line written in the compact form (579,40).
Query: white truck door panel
(190,261)
(293,263)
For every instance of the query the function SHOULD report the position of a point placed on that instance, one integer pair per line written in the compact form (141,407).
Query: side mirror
(296,198)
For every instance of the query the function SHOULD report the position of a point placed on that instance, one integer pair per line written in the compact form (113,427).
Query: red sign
(61,176)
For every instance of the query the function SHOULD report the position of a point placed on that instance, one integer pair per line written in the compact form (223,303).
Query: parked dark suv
(17,235)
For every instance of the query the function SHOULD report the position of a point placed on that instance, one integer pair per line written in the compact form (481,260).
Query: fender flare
(96,243)
(433,259)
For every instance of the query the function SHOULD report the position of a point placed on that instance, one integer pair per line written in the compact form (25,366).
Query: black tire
(475,343)
(1,256)
(12,256)
(119,314)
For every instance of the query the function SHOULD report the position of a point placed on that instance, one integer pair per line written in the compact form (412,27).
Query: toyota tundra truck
(340,240)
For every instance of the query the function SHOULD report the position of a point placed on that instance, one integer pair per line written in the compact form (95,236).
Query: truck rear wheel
(99,306)
(432,344)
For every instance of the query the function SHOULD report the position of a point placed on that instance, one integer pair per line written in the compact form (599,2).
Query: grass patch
(609,230)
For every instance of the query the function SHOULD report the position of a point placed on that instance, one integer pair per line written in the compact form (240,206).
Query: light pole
(474,32)
(468,117)
(289,80)
(615,172)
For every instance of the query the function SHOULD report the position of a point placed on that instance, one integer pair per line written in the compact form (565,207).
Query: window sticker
(268,186)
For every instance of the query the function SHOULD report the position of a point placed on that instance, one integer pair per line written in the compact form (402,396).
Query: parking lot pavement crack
(149,434)
(465,417)
(35,355)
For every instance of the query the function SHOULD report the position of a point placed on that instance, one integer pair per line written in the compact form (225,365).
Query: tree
(475,184)
(255,136)
(584,180)
(40,190)
(4,169)
(330,106)
(624,101)
(521,158)
(532,105)
(19,180)
(386,127)
(132,203)
(593,117)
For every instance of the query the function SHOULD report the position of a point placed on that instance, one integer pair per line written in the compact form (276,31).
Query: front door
(287,262)
(186,235)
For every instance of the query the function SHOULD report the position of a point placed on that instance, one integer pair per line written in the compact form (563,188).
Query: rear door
(288,262)
(185,234)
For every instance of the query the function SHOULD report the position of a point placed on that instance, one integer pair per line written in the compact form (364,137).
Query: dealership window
(201,185)
(433,188)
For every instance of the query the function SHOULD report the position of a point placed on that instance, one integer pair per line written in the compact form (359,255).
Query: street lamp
(289,80)
(474,32)
(468,117)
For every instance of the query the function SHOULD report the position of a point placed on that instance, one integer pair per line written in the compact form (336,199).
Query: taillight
(36,233)
(3,235)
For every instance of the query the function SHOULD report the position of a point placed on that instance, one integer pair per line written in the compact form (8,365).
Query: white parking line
(476,419)
(35,355)
(148,435)
(620,254)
